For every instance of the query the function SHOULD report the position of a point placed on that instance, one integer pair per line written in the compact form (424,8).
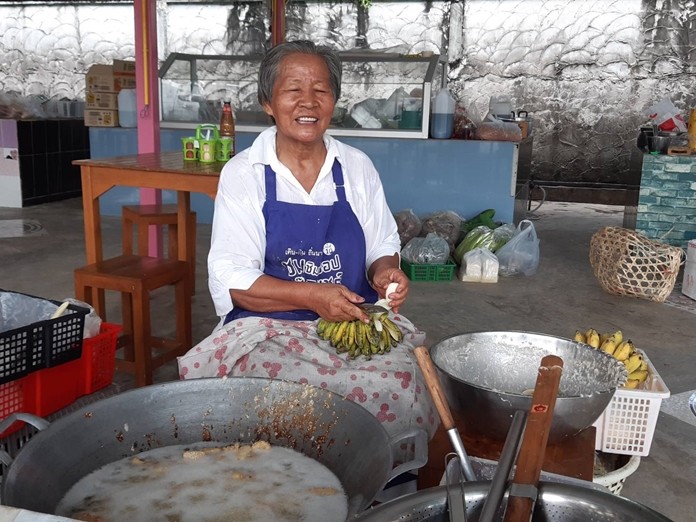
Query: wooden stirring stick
(523,490)
(432,381)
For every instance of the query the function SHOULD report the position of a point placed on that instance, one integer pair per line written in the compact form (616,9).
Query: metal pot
(556,503)
(486,374)
(337,432)
(523,121)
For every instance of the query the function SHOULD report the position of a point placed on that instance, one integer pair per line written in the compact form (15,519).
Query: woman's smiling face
(302,102)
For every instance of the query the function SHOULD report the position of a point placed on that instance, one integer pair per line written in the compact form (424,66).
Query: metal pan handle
(420,449)
(38,422)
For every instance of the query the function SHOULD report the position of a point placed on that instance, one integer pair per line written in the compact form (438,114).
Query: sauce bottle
(227,129)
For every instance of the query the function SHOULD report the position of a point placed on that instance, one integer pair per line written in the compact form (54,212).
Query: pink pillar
(147,91)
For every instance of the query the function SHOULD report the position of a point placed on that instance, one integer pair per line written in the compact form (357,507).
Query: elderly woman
(302,231)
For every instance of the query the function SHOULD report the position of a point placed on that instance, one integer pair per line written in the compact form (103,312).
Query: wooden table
(159,170)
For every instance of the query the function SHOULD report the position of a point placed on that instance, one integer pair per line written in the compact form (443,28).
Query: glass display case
(382,94)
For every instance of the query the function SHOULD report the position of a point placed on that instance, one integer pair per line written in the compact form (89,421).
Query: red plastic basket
(46,391)
(99,358)
(18,396)
(58,387)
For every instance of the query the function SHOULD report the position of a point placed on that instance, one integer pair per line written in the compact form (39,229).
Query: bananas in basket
(356,338)
(621,349)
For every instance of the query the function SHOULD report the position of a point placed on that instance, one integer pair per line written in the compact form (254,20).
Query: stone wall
(584,69)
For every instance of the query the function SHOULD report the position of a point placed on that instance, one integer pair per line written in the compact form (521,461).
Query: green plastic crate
(429,272)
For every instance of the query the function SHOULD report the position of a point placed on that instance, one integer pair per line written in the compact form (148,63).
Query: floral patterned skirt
(390,386)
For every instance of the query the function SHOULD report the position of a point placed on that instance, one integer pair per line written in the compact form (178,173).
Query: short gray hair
(268,71)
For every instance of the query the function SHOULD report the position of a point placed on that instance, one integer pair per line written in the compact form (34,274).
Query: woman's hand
(336,303)
(381,279)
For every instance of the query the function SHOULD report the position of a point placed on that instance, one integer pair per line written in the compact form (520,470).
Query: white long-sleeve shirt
(238,243)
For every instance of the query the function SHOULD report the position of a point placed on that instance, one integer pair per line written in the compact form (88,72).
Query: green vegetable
(484,218)
(480,237)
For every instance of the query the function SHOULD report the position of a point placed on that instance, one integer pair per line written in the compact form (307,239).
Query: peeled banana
(622,350)
(356,338)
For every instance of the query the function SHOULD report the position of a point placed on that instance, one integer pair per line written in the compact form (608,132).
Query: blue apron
(317,243)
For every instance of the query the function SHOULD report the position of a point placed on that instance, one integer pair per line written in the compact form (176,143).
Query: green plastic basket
(429,272)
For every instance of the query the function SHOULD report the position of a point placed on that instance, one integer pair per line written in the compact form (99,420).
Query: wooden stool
(142,216)
(135,277)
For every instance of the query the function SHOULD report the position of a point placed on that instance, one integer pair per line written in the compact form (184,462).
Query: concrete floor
(563,296)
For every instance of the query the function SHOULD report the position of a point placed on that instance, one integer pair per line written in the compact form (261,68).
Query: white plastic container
(627,426)
(127,108)
(689,281)
(442,119)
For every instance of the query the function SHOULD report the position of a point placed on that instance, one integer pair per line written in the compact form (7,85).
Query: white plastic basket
(628,424)
(614,480)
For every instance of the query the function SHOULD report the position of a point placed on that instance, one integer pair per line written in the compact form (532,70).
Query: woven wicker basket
(626,262)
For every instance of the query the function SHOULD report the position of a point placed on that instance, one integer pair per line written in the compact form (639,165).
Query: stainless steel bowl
(556,503)
(489,375)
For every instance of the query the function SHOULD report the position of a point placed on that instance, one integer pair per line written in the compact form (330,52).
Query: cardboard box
(101,100)
(101,118)
(124,81)
(124,67)
(102,78)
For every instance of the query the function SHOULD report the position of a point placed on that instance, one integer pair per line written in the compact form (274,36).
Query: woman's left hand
(381,280)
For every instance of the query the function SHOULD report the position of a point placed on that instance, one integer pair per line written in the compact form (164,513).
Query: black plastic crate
(42,344)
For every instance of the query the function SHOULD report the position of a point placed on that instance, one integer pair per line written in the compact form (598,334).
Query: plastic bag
(502,235)
(480,237)
(498,131)
(666,116)
(429,250)
(92,320)
(480,266)
(18,310)
(521,253)
(445,224)
(408,224)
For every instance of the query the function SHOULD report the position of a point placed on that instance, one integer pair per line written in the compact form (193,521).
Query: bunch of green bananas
(621,349)
(358,338)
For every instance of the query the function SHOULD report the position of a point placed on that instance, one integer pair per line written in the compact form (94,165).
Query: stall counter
(465,176)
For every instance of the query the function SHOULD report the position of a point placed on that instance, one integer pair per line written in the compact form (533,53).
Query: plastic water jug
(127,108)
(442,119)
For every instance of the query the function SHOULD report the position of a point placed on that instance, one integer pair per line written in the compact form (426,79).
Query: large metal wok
(487,377)
(340,434)
(556,503)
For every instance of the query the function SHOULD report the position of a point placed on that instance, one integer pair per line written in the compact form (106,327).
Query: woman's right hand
(337,303)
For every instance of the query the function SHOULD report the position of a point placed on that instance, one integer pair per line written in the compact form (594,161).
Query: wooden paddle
(523,490)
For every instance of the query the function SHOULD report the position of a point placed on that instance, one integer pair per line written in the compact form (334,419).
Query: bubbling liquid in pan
(203,482)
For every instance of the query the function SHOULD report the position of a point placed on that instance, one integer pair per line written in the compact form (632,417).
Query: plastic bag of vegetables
(480,237)
(429,250)
(483,237)
(503,234)
(408,224)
